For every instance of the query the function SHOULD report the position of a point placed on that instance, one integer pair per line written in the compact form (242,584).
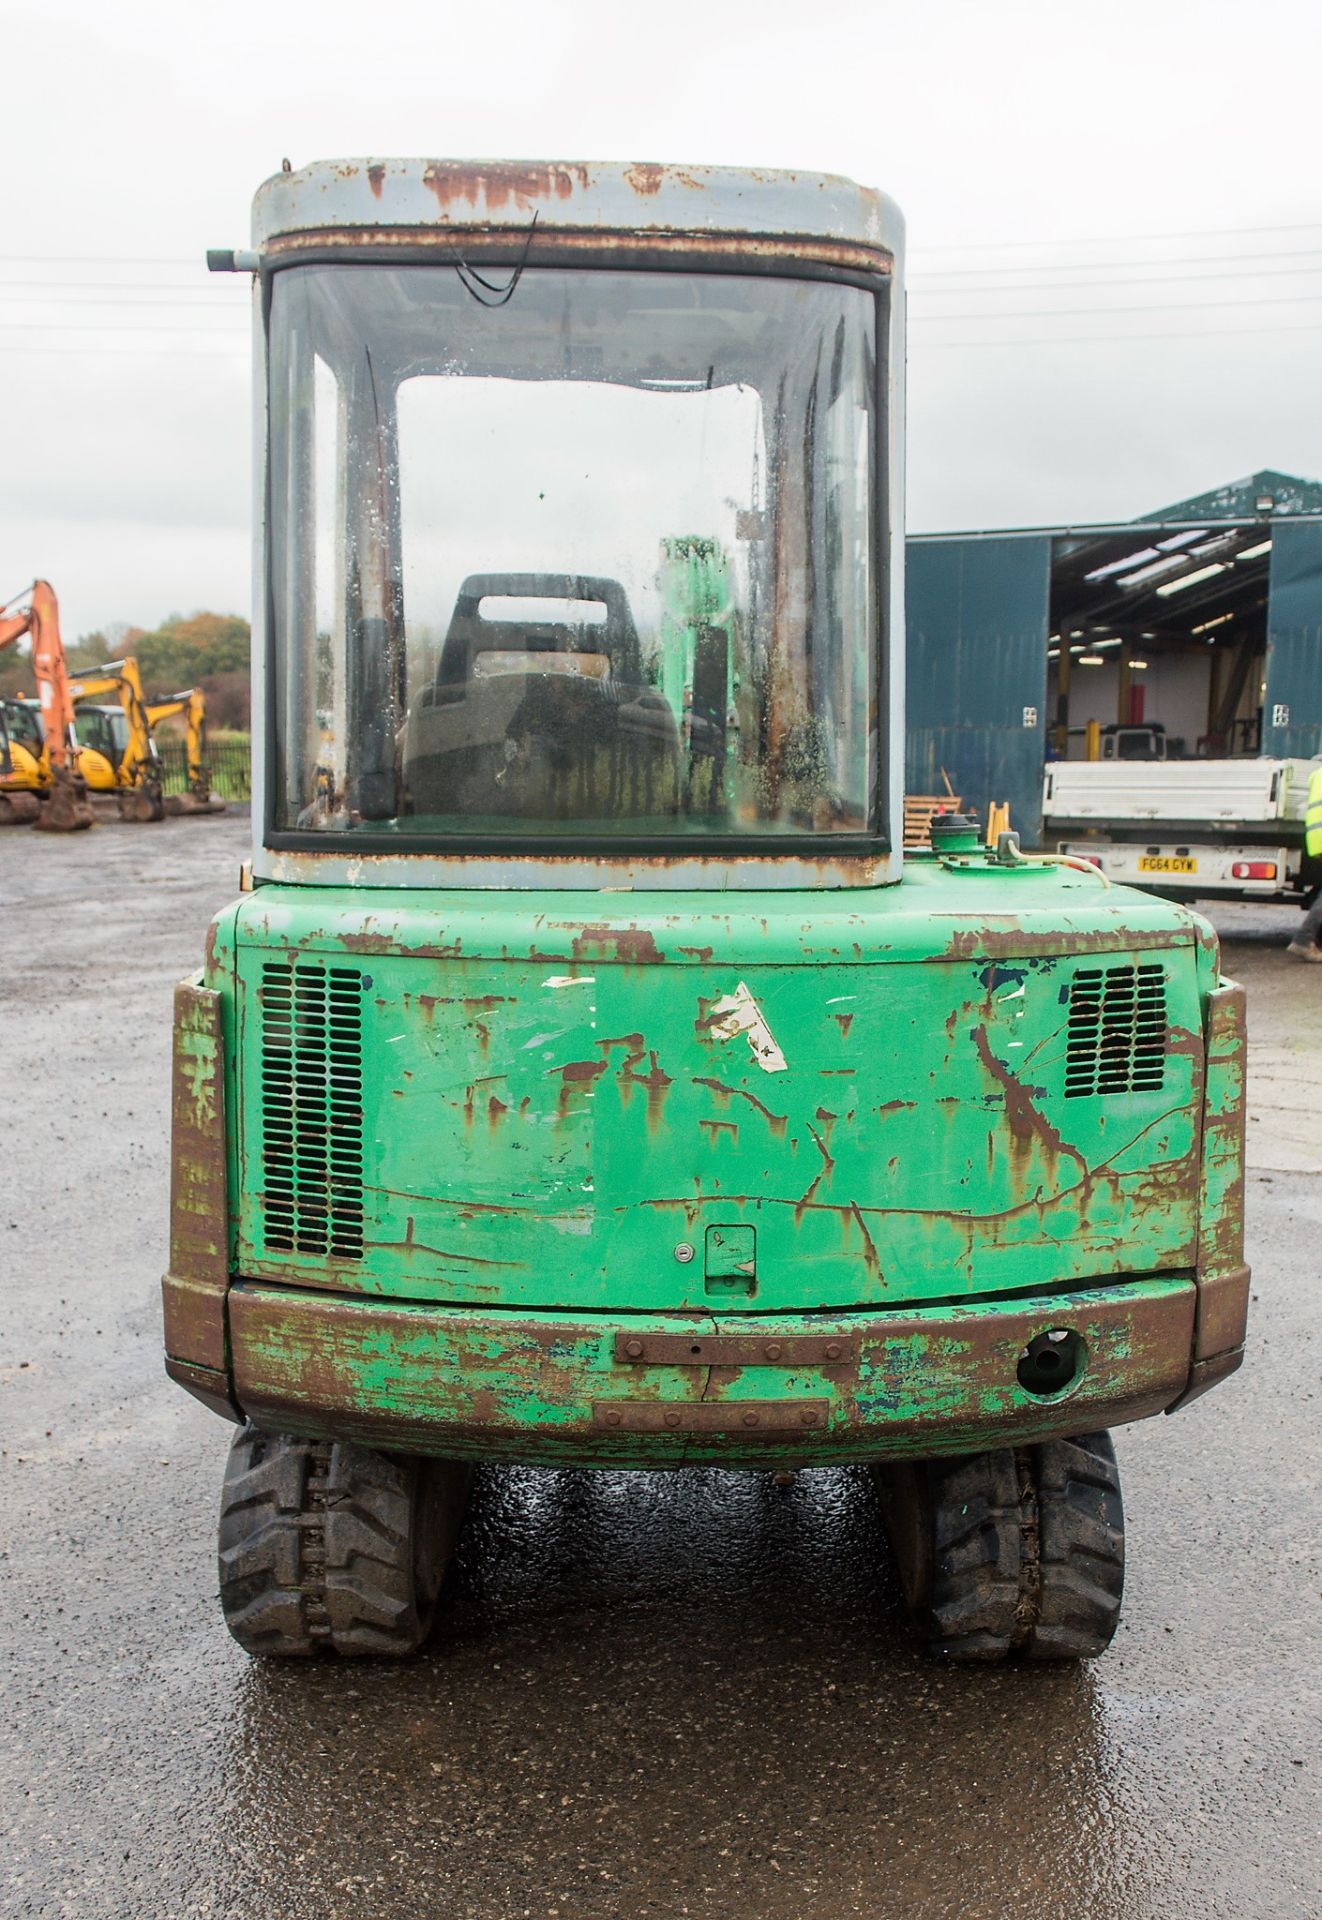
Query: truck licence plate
(1165,863)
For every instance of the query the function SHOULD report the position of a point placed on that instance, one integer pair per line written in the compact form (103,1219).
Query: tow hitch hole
(1051,1362)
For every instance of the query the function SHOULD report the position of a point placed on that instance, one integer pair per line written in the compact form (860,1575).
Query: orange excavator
(63,806)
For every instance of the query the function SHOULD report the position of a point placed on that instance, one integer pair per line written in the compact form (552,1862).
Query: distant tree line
(210,650)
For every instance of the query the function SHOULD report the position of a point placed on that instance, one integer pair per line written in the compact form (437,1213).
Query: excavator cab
(587,1076)
(22,723)
(103,741)
(23,774)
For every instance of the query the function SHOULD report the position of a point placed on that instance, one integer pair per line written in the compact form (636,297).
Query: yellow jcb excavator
(192,704)
(24,775)
(116,752)
(55,788)
(117,748)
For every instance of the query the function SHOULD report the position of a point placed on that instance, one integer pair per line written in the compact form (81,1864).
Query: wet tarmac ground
(685,1694)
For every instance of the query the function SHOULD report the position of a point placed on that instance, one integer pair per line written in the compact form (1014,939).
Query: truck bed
(1219,794)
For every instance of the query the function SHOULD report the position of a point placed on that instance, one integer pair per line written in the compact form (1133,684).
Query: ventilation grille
(1117,1030)
(312,1108)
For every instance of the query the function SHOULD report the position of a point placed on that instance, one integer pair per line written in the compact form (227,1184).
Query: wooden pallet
(918,811)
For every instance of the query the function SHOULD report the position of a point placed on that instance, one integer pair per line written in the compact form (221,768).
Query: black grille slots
(1117,1030)
(312,1108)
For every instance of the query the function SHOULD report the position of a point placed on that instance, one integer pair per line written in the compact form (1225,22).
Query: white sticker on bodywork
(739,1013)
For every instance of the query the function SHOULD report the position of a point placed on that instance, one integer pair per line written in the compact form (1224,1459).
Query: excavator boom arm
(121,677)
(65,809)
(192,703)
(41,618)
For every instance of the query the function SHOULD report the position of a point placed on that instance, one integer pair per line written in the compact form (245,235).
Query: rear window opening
(597,564)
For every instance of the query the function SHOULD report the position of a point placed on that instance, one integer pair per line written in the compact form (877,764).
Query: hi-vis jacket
(1313,816)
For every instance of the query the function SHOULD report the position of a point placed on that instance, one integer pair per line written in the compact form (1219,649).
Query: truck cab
(585,1075)
(1134,743)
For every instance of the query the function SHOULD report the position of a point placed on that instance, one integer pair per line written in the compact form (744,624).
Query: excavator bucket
(66,809)
(19,809)
(141,805)
(190,803)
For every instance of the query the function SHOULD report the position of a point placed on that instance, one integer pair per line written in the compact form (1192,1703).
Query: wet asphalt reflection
(661,1694)
(689,1692)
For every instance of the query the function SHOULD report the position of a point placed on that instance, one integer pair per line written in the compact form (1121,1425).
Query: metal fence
(229,761)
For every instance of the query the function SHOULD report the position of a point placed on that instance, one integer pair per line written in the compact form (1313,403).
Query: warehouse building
(1202,620)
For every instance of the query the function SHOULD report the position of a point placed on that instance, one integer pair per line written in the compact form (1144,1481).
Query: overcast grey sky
(1115,229)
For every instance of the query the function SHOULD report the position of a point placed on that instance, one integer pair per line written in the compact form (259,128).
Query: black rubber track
(330,1547)
(1082,1547)
(1013,1552)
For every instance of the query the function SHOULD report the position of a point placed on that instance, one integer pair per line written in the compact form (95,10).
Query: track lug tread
(1024,1552)
(329,1546)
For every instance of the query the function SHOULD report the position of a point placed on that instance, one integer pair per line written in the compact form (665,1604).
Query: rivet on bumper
(709,1416)
(734,1350)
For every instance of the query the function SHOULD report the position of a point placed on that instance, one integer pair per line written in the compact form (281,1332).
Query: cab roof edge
(642,197)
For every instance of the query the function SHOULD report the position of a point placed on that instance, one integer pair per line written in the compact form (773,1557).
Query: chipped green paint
(194,1289)
(555,1098)
(544,1131)
(477,1383)
(195,1053)
(1221,1203)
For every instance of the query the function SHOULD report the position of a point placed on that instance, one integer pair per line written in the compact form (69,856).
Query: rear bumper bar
(657,1389)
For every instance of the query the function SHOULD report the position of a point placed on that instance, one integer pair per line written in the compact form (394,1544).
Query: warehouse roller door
(977,647)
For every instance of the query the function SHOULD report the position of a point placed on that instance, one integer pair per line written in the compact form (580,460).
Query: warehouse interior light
(1192,579)
(1091,660)
(1147,575)
(1138,666)
(1181,587)
(1185,537)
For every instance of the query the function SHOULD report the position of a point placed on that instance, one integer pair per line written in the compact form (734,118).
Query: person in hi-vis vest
(1307,943)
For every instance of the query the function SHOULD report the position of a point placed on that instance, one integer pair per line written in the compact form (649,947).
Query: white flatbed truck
(1194,829)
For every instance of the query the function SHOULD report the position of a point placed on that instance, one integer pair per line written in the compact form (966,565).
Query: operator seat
(541,719)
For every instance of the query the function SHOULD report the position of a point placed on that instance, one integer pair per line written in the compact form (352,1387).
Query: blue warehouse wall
(976,617)
(1292,704)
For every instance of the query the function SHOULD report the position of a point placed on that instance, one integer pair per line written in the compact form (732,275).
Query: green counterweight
(983,1088)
